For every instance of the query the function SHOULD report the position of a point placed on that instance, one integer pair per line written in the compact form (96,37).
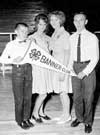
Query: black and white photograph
(49,67)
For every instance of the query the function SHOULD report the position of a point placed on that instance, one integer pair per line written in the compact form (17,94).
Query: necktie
(79,49)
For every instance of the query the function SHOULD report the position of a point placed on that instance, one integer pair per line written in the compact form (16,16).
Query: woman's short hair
(60,15)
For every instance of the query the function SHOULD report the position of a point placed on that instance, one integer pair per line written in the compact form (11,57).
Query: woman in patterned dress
(41,76)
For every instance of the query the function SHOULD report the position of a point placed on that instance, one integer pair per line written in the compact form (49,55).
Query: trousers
(22,90)
(83,91)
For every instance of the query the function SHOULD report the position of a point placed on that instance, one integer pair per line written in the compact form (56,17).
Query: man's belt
(82,62)
(19,66)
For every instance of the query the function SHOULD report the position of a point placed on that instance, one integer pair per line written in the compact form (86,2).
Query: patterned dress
(41,76)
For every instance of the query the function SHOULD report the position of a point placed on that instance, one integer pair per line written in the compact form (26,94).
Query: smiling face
(22,32)
(80,21)
(54,21)
(41,26)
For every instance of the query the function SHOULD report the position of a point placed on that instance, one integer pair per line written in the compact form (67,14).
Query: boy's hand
(18,59)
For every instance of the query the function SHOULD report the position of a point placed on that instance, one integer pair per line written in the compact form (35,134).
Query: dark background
(90,7)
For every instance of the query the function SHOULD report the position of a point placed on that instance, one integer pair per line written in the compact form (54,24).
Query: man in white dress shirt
(21,75)
(84,82)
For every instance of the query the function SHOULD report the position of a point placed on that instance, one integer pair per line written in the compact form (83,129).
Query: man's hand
(81,75)
(72,73)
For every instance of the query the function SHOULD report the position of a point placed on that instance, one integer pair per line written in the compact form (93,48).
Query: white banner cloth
(36,55)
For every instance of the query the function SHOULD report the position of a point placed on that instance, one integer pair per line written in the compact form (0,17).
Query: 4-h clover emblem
(34,55)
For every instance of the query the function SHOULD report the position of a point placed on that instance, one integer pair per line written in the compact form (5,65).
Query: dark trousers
(83,90)
(22,89)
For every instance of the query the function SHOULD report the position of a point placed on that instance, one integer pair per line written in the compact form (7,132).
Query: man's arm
(94,57)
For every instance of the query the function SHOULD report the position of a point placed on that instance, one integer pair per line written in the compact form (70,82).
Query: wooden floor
(8,125)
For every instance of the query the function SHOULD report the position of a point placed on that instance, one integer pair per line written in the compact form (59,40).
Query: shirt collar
(19,40)
(83,31)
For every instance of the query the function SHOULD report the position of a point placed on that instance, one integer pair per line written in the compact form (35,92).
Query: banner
(37,56)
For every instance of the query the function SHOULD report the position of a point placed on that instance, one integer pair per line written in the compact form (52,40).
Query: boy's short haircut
(20,24)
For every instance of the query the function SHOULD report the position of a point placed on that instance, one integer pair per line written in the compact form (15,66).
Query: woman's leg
(38,104)
(43,105)
(42,113)
(65,107)
(41,110)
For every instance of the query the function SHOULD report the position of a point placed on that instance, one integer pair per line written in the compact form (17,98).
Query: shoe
(24,125)
(75,123)
(38,120)
(45,117)
(30,123)
(64,121)
(88,128)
